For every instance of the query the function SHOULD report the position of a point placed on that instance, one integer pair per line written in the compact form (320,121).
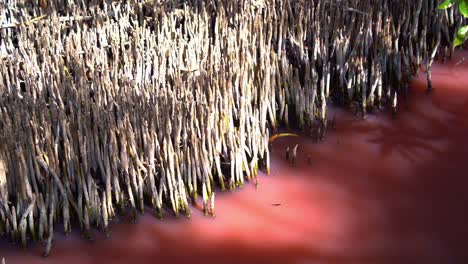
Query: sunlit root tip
(176,213)
(273,126)
(317,135)
(88,235)
(280,135)
(323,130)
(134,216)
(187,213)
(158,212)
(333,122)
(34,238)
(211,205)
(46,251)
(287,154)
(122,206)
(193,200)
(205,208)
(106,233)
(222,186)
(294,155)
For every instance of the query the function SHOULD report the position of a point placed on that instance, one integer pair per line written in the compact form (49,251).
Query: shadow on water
(380,190)
(411,170)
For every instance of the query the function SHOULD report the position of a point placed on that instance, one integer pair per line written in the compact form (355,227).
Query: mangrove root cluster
(108,106)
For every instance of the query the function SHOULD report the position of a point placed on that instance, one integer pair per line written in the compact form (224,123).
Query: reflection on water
(380,190)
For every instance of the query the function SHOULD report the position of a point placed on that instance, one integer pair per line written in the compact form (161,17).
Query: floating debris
(114,105)
(276,136)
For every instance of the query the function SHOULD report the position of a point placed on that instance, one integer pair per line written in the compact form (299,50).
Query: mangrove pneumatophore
(116,105)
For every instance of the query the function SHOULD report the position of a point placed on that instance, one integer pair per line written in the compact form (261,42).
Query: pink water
(380,190)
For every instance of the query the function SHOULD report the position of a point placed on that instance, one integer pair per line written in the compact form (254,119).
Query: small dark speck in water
(276,204)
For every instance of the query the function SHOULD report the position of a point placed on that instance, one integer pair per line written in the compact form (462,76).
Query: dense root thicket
(109,105)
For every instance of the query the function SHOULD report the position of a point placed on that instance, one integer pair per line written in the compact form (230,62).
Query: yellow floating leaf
(280,135)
